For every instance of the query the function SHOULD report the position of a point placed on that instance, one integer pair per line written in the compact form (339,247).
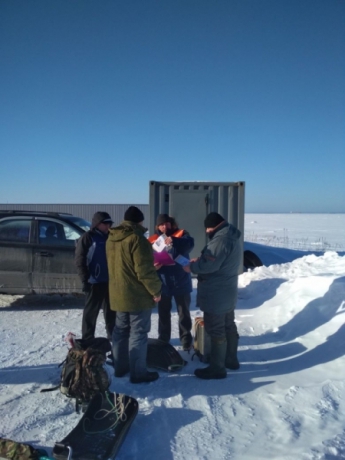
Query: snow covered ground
(297,231)
(287,401)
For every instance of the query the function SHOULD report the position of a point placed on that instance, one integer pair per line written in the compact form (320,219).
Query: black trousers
(97,298)
(185,322)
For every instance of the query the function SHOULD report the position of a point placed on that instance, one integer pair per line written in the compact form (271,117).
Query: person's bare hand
(195,259)
(168,240)
(157,298)
(187,269)
(157,266)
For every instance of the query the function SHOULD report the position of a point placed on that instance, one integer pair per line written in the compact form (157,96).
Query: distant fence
(302,244)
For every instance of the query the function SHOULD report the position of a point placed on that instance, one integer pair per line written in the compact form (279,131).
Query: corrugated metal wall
(86,211)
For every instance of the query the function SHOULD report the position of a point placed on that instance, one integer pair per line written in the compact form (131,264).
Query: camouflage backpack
(12,450)
(83,373)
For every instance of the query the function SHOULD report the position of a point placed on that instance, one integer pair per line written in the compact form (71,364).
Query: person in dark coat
(176,283)
(91,263)
(217,269)
(134,288)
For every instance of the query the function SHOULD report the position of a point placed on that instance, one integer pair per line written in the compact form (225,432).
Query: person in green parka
(134,289)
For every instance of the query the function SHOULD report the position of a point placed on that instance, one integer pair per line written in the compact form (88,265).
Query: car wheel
(251,260)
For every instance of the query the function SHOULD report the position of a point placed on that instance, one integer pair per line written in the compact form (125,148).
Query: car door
(15,255)
(54,269)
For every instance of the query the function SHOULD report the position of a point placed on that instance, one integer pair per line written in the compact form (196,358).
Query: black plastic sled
(162,355)
(102,429)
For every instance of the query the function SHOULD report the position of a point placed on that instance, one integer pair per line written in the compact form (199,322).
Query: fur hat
(100,217)
(162,219)
(133,214)
(213,219)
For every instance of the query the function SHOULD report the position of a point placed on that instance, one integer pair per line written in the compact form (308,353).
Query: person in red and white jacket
(176,283)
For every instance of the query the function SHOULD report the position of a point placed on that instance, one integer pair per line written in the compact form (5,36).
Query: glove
(86,287)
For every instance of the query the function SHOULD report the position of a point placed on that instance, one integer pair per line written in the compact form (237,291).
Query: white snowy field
(287,401)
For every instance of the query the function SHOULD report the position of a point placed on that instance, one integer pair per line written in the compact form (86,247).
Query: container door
(190,202)
(190,207)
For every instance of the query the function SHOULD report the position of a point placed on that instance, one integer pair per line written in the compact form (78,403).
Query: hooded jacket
(133,281)
(90,258)
(217,270)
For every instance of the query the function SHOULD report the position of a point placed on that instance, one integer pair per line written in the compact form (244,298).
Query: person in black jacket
(176,283)
(91,263)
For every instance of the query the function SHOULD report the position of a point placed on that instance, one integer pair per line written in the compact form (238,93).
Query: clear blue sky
(99,97)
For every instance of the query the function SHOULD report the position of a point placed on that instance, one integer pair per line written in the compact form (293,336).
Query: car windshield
(82,223)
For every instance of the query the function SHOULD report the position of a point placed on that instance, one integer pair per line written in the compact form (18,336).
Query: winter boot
(231,361)
(216,369)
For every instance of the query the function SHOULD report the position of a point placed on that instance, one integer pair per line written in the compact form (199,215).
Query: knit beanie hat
(134,214)
(100,217)
(213,219)
(162,219)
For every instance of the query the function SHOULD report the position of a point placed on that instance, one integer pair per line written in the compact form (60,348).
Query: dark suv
(37,252)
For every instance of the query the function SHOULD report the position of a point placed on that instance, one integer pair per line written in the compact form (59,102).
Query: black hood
(100,217)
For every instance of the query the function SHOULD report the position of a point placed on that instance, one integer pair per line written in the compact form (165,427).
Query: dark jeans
(220,326)
(185,322)
(97,298)
(130,342)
